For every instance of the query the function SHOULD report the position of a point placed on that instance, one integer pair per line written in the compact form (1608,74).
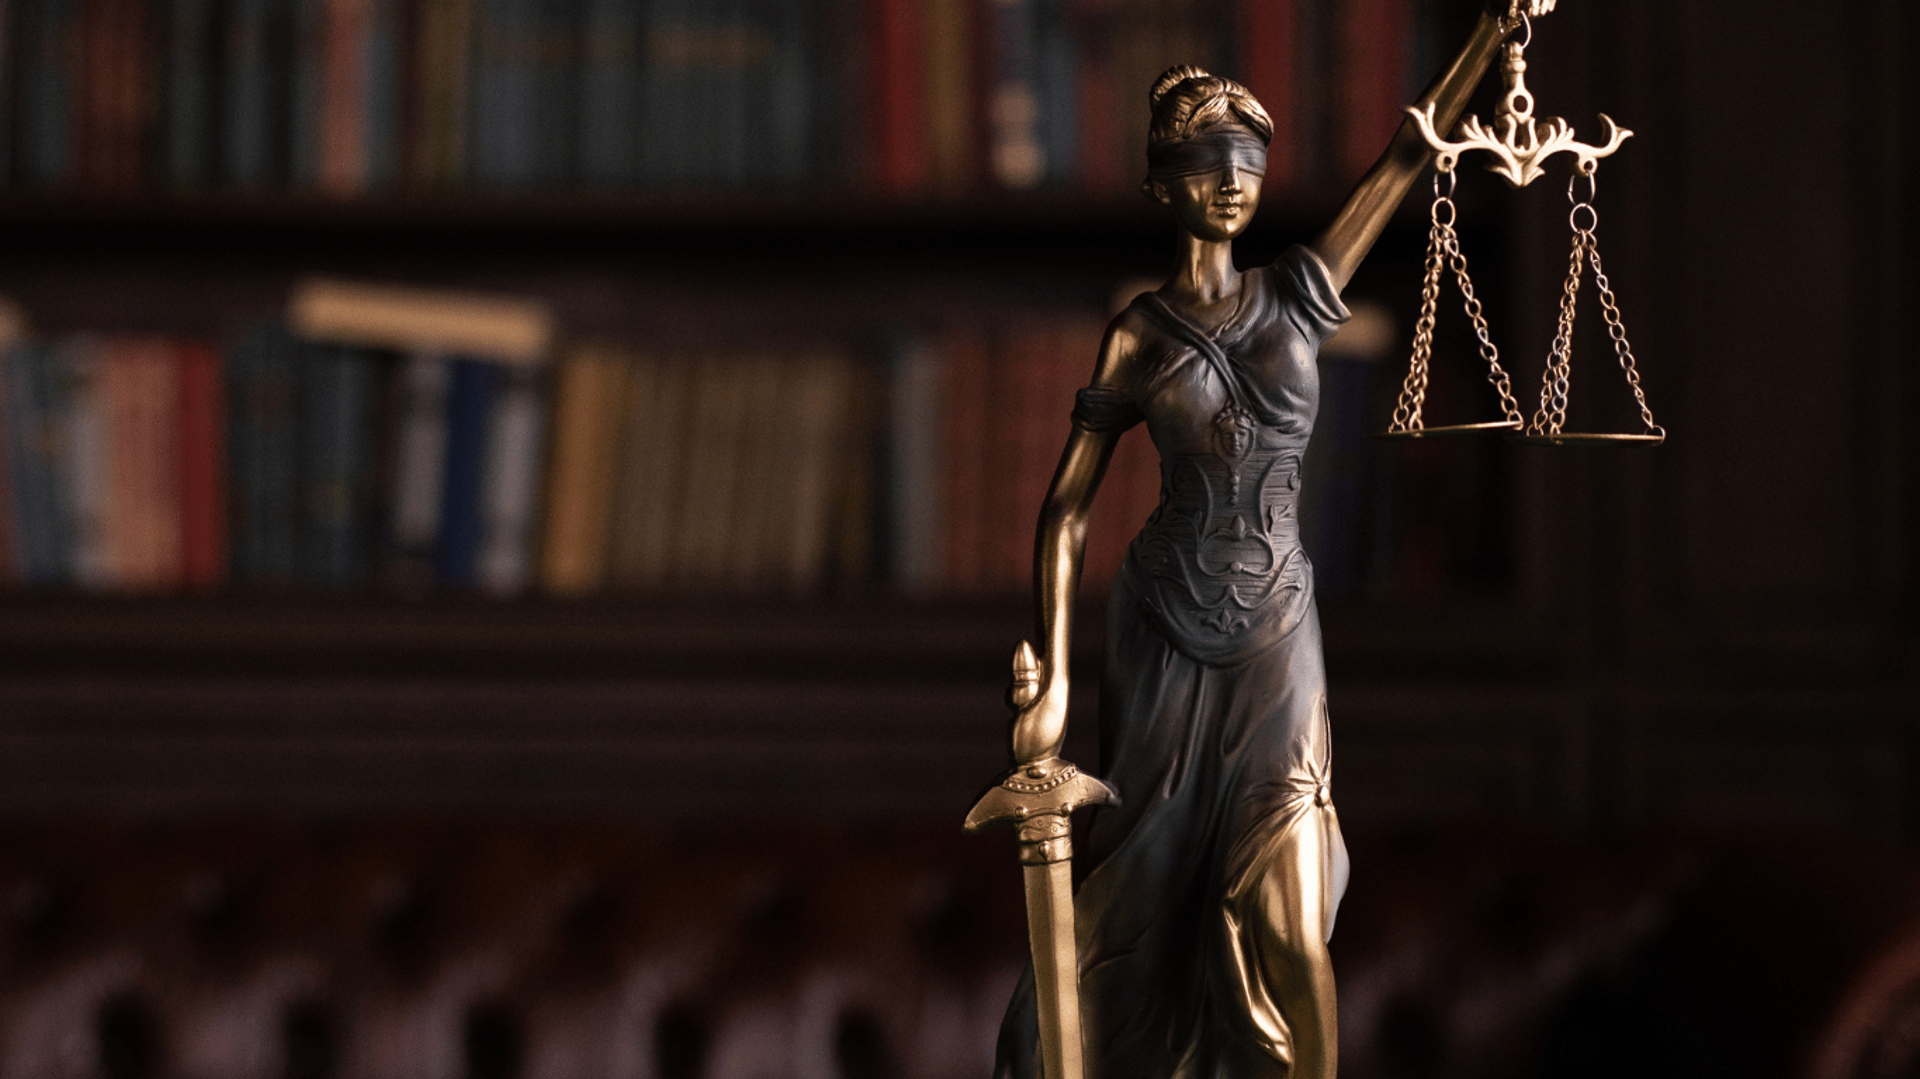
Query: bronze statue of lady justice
(1198,934)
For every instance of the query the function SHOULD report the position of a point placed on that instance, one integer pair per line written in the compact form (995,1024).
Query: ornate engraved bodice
(1219,563)
(1225,541)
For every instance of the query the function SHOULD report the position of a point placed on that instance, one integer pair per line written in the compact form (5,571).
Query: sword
(1039,797)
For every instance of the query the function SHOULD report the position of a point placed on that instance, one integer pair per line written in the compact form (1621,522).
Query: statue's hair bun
(1171,78)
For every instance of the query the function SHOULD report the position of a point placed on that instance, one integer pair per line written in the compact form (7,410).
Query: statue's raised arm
(1349,237)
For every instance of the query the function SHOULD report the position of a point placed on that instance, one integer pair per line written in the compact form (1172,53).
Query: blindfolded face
(1212,181)
(1224,147)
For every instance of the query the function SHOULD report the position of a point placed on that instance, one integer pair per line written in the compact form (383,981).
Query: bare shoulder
(1120,349)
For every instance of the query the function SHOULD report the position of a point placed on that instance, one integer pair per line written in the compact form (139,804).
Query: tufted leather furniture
(569,952)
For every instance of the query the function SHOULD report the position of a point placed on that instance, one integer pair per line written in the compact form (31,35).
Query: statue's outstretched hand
(1511,10)
(1039,700)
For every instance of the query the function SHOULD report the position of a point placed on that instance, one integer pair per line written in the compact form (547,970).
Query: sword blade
(1056,967)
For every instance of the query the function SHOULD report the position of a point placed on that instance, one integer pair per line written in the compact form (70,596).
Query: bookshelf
(1585,641)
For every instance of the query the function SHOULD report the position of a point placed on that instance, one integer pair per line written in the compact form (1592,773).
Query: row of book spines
(351,95)
(976,424)
(152,465)
(722,473)
(1024,92)
(346,96)
(114,472)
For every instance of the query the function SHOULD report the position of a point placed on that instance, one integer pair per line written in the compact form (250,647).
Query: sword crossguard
(1036,796)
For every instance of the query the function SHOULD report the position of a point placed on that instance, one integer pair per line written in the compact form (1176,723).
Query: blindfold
(1210,151)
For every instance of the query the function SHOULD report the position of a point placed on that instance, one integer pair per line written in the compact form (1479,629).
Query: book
(48,84)
(255,91)
(770,474)
(511,473)
(1099,95)
(897,124)
(652,457)
(140,381)
(609,93)
(110,114)
(39,461)
(189,106)
(555,89)
(340,403)
(418,481)
(965,476)
(505,92)
(345,95)
(509,329)
(825,461)
(90,487)
(911,502)
(263,407)
(471,390)
(203,473)
(307,90)
(442,83)
(784,117)
(714,459)
(947,63)
(1056,75)
(586,420)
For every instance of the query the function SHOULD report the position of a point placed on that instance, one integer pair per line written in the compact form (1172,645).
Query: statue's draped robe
(1213,716)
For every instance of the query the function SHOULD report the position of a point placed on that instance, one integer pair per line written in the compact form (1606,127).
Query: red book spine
(1269,41)
(965,459)
(1374,48)
(1102,164)
(203,480)
(899,127)
(343,109)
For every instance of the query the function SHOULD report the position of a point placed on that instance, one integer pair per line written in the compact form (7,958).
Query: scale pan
(1573,438)
(1450,431)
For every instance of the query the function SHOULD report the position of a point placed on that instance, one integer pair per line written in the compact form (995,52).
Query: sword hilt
(1039,797)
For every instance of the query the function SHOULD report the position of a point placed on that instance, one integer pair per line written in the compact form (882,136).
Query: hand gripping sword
(1039,797)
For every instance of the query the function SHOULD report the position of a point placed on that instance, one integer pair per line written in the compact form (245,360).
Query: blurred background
(516,514)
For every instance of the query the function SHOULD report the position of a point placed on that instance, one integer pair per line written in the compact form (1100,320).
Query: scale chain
(1617,330)
(1551,418)
(1413,393)
(1444,253)
(1496,374)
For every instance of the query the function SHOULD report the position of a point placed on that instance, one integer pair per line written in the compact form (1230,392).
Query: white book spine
(510,496)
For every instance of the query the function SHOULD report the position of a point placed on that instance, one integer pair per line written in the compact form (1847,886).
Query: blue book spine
(263,379)
(187,124)
(36,455)
(469,406)
(48,47)
(609,93)
(341,385)
(1018,155)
